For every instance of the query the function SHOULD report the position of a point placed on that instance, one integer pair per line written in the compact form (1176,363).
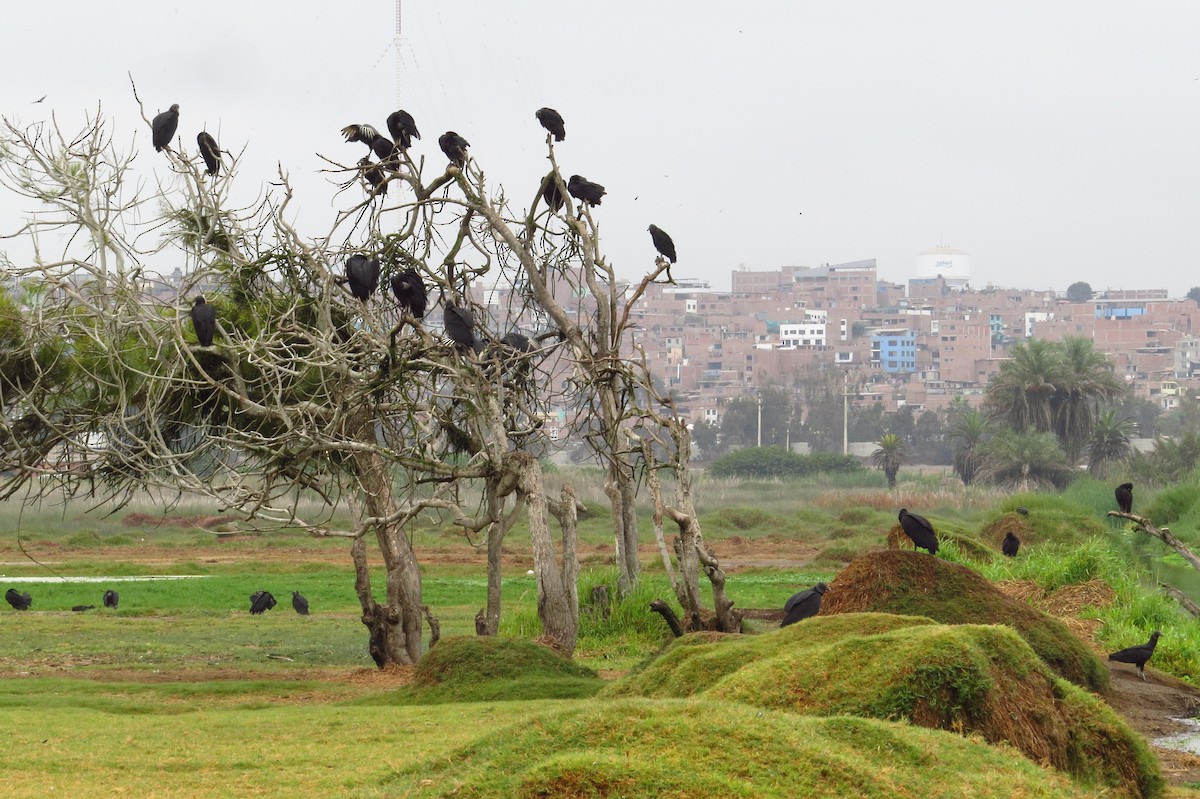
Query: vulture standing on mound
(261,601)
(1138,655)
(18,601)
(919,530)
(363,275)
(1010,545)
(662,243)
(551,193)
(585,191)
(403,128)
(204,321)
(455,148)
(1124,495)
(552,121)
(300,603)
(209,151)
(111,598)
(410,292)
(162,129)
(803,604)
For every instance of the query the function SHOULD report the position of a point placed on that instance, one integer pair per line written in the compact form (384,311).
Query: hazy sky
(1053,141)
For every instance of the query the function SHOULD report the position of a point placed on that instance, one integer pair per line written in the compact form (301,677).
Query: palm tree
(969,429)
(1024,389)
(1026,461)
(1110,442)
(889,456)
(1088,382)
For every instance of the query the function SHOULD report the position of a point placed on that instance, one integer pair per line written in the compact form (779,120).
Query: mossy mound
(486,668)
(980,679)
(638,749)
(995,531)
(915,584)
(1051,518)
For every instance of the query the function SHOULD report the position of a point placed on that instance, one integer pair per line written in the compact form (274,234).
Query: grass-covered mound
(1054,517)
(485,668)
(915,584)
(964,678)
(638,749)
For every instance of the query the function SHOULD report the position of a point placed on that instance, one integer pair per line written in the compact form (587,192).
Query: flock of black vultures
(804,604)
(362,273)
(260,601)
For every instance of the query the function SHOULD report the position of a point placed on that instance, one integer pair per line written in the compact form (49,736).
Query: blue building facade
(895,352)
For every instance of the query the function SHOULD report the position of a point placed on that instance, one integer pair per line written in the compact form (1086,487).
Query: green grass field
(182,693)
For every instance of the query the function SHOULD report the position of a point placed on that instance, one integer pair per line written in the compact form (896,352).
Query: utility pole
(846,412)
(760,420)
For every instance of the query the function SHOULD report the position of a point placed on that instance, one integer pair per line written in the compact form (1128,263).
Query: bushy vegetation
(759,462)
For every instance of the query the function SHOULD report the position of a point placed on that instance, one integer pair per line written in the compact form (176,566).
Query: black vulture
(518,341)
(552,121)
(551,193)
(662,243)
(1010,544)
(1022,511)
(363,133)
(373,175)
(403,128)
(584,190)
(803,604)
(410,292)
(204,321)
(209,152)
(1138,655)
(300,603)
(162,129)
(18,601)
(363,275)
(261,601)
(387,153)
(919,530)
(111,598)
(1124,494)
(82,608)
(455,148)
(460,327)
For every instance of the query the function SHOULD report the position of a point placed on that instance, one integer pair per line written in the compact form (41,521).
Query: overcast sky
(1053,141)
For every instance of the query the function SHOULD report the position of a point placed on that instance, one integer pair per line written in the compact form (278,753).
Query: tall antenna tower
(399,60)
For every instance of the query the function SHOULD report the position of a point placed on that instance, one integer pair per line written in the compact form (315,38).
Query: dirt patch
(1151,708)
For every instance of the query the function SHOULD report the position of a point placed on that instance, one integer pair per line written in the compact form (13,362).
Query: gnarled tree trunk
(395,626)
(558,590)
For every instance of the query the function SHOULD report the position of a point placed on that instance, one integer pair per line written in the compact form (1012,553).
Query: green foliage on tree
(1110,442)
(889,457)
(1079,292)
(969,431)
(1054,387)
(1025,461)
(1194,294)
(765,462)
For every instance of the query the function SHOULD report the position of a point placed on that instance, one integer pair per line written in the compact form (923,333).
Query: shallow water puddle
(1182,741)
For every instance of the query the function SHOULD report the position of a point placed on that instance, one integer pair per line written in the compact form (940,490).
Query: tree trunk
(395,627)
(558,589)
(488,622)
(619,488)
